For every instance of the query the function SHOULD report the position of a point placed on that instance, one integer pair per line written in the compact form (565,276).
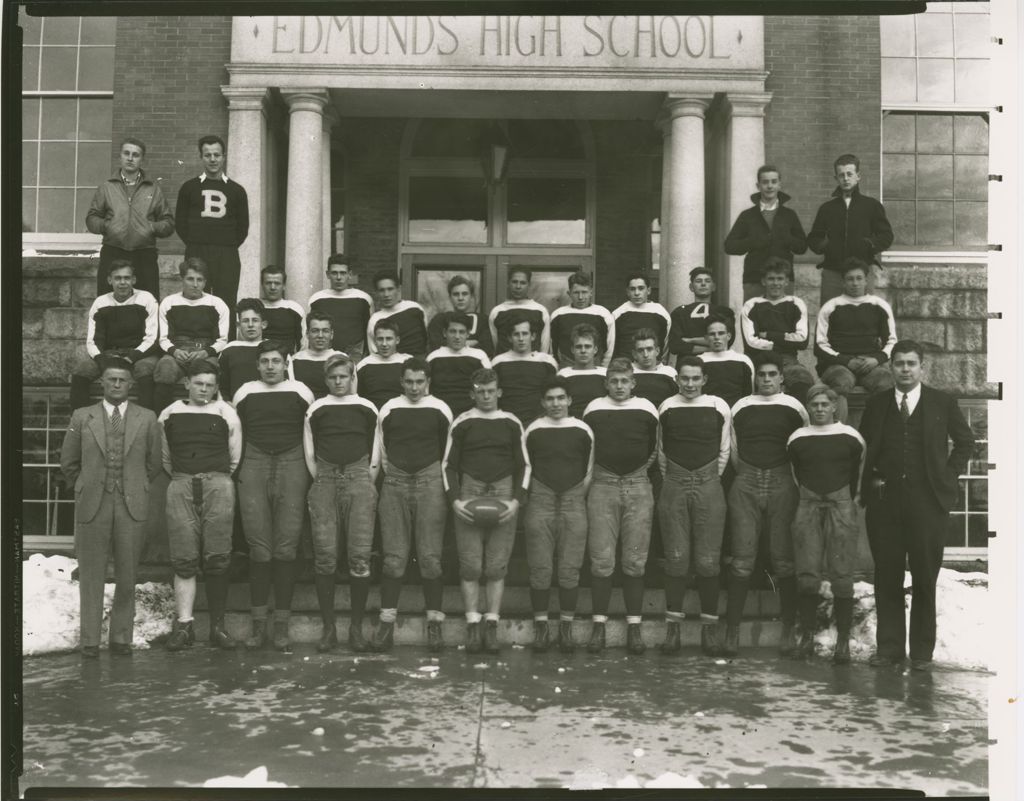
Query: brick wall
(628,156)
(824,73)
(167,77)
(372,148)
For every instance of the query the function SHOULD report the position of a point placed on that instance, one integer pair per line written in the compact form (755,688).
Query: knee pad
(706,568)
(394,567)
(325,567)
(359,568)
(540,578)
(496,573)
(185,568)
(469,572)
(675,568)
(430,568)
(569,578)
(633,569)
(216,564)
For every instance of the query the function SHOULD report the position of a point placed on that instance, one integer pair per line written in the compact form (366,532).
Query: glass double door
(425,277)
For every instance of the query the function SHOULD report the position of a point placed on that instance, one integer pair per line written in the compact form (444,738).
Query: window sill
(60,244)
(935,257)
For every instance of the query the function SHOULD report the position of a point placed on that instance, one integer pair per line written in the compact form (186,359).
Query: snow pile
(962,609)
(50,621)
(257,777)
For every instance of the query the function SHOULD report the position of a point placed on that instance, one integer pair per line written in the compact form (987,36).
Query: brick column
(686,193)
(304,256)
(745,144)
(247,142)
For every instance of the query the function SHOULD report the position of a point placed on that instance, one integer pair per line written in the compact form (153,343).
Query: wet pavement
(515,720)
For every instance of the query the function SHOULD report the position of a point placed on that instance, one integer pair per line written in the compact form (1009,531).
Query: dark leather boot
(710,643)
(259,636)
(566,644)
(182,636)
(328,639)
(491,637)
(219,636)
(356,641)
(474,644)
(383,637)
(634,639)
(435,638)
(541,637)
(731,646)
(844,621)
(671,644)
(597,639)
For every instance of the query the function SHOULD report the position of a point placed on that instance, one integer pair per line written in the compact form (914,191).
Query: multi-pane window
(936,178)
(935,131)
(48,506)
(67,107)
(968,520)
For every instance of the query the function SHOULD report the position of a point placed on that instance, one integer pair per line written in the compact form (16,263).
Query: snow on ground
(257,777)
(50,605)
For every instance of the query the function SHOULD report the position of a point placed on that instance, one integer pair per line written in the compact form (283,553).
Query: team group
(573,418)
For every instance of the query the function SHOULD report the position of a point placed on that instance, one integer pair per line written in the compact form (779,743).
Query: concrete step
(761,604)
(412,630)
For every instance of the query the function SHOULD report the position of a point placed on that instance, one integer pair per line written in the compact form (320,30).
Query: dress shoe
(258,638)
(671,644)
(384,637)
(709,641)
(435,639)
(491,637)
(841,654)
(473,643)
(880,660)
(597,639)
(921,665)
(565,642)
(90,652)
(281,641)
(541,637)
(182,636)
(805,650)
(356,641)
(634,639)
(731,646)
(120,649)
(328,640)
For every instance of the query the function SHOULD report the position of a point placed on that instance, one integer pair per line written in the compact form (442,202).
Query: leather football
(486,511)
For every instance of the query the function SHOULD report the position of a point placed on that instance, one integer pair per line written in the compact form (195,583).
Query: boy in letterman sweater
(413,435)
(238,359)
(193,325)
(452,365)
(694,450)
(520,306)
(485,457)
(212,219)
(462,296)
(581,311)
(688,335)
(730,374)
(584,380)
(776,323)
(522,372)
(285,318)
(409,316)
(762,498)
(854,337)
(122,322)
(380,374)
(348,307)
(202,446)
(620,504)
(272,487)
(307,365)
(827,460)
(639,311)
(655,381)
(342,450)
(560,450)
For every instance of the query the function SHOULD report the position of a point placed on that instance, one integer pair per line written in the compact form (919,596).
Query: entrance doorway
(480,198)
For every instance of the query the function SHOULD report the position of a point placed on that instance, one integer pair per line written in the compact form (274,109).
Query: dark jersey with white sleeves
(696,432)
(625,433)
(273,415)
(561,452)
(761,426)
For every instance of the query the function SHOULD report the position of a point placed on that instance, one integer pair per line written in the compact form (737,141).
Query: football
(486,511)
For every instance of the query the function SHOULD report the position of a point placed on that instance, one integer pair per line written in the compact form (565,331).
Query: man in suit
(910,484)
(110,454)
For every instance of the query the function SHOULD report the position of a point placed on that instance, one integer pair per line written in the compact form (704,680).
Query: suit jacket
(83,459)
(942,421)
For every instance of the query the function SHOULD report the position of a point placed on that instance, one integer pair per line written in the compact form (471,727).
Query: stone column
(664,259)
(304,256)
(686,193)
(745,153)
(247,142)
(329,121)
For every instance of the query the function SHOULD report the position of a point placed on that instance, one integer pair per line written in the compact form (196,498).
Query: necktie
(904,409)
(115,420)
